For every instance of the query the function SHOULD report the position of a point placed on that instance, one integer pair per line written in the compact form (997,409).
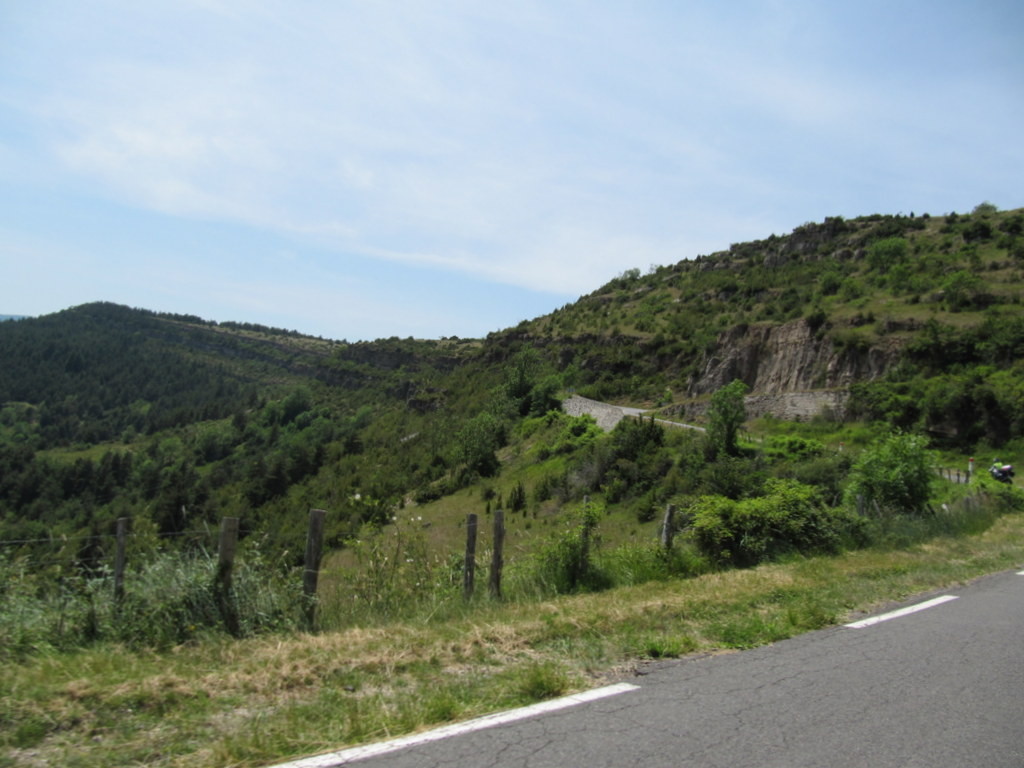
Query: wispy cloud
(541,146)
(402,136)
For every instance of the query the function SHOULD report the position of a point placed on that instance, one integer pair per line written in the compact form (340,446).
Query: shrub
(792,447)
(978,229)
(850,289)
(816,319)
(830,282)
(826,473)
(896,473)
(731,476)
(788,518)
(578,432)
(566,564)
(517,497)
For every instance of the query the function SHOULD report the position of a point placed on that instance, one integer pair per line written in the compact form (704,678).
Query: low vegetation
(215,701)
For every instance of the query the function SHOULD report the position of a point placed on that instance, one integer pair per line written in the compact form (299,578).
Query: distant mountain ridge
(12,317)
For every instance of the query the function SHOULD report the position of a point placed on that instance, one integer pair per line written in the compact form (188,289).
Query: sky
(359,169)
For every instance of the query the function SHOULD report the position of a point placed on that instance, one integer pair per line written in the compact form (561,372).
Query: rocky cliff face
(790,370)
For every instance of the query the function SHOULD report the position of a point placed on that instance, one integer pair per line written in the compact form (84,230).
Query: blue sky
(357,169)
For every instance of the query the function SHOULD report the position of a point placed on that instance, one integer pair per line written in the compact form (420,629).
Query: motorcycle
(1002,472)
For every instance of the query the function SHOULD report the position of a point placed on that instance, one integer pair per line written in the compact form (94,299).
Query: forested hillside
(913,321)
(110,411)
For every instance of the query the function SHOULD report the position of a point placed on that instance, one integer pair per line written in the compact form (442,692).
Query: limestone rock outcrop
(790,370)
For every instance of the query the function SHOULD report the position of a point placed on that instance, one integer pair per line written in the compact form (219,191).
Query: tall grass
(392,574)
(261,699)
(169,599)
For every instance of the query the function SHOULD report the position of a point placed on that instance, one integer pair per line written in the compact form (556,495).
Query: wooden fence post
(497,561)
(667,527)
(585,541)
(119,559)
(225,563)
(469,564)
(314,551)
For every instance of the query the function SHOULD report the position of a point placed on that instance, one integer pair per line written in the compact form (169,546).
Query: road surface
(940,686)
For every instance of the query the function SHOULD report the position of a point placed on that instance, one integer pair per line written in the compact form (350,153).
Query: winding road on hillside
(939,682)
(607,415)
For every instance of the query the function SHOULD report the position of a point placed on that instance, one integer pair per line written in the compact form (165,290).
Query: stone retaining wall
(606,416)
(799,406)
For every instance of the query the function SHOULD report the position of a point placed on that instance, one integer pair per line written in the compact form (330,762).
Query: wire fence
(92,549)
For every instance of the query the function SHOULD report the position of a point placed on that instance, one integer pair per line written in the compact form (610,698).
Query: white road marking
(351,755)
(901,612)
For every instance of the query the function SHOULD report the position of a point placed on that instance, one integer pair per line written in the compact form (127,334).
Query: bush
(578,432)
(731,476)
(788,518)
(566,564)
(792,447)
(826,473)
(896,473)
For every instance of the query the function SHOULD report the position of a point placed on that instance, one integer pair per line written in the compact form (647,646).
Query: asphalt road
(939,687)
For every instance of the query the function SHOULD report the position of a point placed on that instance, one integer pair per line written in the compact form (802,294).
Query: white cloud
(548,146)
(383,133)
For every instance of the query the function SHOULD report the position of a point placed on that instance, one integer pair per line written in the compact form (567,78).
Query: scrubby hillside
(914,321)
(864,317)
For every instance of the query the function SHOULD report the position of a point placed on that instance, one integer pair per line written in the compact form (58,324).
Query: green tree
(961,289)
(520,377)
(544,395)
(477,442)
(887,253)
(725,417)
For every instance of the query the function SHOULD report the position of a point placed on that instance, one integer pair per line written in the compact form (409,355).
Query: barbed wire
(100,536)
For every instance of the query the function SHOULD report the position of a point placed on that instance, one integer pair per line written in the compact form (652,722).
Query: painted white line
(351,755)
(1020,573)
(901,612)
